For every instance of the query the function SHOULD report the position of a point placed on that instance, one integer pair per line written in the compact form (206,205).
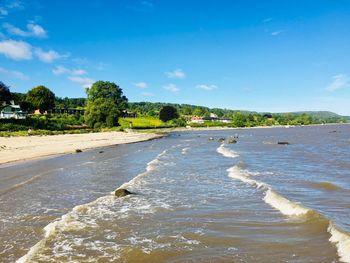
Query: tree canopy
(105,104)
(168,113)
(41,98)
(5,94)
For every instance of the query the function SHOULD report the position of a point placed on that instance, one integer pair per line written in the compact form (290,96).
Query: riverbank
(14,149)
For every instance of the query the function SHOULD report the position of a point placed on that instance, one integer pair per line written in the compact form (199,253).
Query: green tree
(168,113)
(105,104)
(5,94)
(41,98)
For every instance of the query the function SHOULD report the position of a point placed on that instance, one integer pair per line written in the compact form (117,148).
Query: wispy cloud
(339,81)
(33,30)
(277,33)
(266,20)
(206,87)
(141,85)
(61,70)
(176,74)
(4,10)
(16,50)
(49,56)
(147,94)
(171,87)
(13,73)
(85,82)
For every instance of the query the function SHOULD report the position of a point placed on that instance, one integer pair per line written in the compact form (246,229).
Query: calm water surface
(196,200)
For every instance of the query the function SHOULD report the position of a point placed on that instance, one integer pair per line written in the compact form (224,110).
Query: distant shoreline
(18,149)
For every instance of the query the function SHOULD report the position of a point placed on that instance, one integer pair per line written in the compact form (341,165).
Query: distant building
(197,119)
(128,114)
(11,111)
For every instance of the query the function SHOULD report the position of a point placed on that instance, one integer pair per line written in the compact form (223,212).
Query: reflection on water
(196,200)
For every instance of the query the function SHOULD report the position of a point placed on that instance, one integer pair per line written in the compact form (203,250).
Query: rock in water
(221,140)
(283,143)
(232,141)
(78,151)
(122,192)
(211,139)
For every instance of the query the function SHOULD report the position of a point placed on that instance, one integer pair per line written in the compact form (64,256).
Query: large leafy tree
(5,94)
(41,98)
(168,113)
(105,104)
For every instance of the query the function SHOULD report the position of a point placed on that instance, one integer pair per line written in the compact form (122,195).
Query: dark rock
(78,151)
(211,139)
(232,141)
(101,152)
(283,143)
(122,192)
(221,140)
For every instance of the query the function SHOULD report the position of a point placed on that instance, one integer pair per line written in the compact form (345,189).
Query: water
(196,200)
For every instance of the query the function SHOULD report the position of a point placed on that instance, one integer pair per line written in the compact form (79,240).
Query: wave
(342,242)
(227,152)
(326,186)
(151,166)
(185,150)
(70,221)
(291,208)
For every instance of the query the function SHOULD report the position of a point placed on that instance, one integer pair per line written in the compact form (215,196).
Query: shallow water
(196,200)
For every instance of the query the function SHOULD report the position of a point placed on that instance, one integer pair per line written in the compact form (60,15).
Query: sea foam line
(70,219)
(227,152)
(290,208)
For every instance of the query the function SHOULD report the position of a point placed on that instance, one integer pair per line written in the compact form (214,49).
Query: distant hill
(319,114)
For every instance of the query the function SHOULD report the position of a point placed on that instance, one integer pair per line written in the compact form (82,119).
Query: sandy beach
(23,148)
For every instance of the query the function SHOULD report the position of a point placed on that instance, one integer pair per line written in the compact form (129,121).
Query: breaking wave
(290,208)
(227,152)
(72,220)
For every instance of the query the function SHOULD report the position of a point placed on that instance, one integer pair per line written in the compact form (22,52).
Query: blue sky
(251,55)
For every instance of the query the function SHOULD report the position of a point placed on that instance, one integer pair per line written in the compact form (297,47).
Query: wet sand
(30,147)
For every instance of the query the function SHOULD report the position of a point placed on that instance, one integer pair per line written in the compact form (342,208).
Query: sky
(267,56)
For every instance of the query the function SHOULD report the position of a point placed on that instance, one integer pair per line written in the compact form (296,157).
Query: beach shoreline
(20,149)
(24,148)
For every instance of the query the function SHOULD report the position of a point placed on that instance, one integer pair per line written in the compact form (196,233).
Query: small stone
(122,192)
(78,151)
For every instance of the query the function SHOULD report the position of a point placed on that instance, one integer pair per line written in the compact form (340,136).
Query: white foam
(342,242)
(236,173)
(185,150)
(227,152)
(284,205)
(272,198)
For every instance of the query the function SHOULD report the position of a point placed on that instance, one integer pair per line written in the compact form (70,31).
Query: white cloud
(147,94)
(276,33)
(13,73)
(339,81)
(33,30)
(83,81)
(171,87)
(49,56)
(141,85)
(16,50)
(269,19)
(206,87)
(15,4)
(78,72)
(176,74)
(60,70)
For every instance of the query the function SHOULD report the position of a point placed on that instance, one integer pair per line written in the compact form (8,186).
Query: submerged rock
(232,141)
(101,152)
(122,192)
(283,143)
(78,151)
